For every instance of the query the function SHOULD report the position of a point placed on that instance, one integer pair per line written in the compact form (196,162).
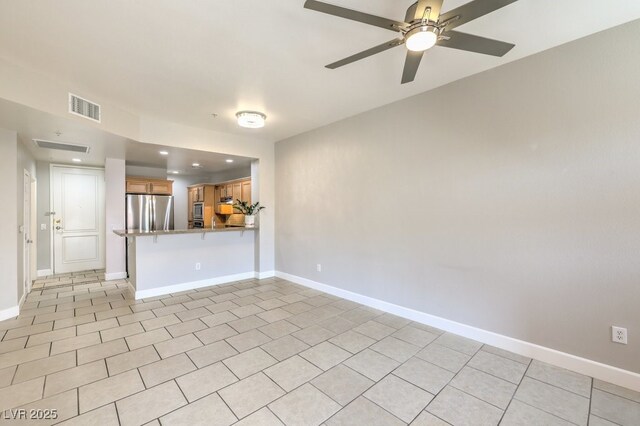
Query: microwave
(198,211)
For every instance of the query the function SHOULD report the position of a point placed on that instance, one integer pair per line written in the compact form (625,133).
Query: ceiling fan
(423,28)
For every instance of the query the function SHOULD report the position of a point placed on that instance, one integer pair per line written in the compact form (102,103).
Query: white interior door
(26,233)
(78,219)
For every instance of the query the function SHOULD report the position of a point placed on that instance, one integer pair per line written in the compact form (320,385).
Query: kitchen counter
(137,233)
(167,262)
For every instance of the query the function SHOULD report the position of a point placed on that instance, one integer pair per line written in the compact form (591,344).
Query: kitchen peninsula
(163,262)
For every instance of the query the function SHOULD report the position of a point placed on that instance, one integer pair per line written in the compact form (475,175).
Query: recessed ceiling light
(195,165)
(251,119)
(76,160)
(229,160)
(164,152)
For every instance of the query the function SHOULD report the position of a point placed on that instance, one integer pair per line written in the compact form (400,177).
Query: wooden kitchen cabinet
(190,198)
(236,192)
(163,188)
(198,194)
(141,185)
(211,194)
(137,187)
(246,191)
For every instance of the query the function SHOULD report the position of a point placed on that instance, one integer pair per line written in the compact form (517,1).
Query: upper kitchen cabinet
(246,191)
(236,191)
(197,193)
(142,185)
(164,187)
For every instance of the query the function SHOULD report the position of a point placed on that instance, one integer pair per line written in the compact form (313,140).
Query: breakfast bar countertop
(138,233)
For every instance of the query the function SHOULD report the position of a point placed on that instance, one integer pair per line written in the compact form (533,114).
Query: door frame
(28,232)
(34,230)
(51,224)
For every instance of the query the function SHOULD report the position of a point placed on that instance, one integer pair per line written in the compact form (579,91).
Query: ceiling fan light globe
(421,39)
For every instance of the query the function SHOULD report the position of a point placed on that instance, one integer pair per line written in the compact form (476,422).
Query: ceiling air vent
(61,146)
(84,108)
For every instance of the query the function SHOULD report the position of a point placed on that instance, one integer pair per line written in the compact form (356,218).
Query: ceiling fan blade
(420,8)
(473,43)
(471,11)
(366,53)
(354,15)
(411,64)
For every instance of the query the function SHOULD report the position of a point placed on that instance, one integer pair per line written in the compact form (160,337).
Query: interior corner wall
(507,201)
(181,198)
(9,220)
(114,175)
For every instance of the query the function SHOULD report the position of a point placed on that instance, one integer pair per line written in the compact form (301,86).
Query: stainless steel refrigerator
(149,212)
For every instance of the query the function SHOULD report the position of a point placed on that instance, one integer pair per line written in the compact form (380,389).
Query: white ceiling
(32,124)
(184,60)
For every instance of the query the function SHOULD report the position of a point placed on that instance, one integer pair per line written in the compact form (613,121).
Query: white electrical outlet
(619,335)
(198,266)
(43,226)
(319,267)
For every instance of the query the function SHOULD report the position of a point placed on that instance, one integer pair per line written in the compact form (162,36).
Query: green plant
(246,208)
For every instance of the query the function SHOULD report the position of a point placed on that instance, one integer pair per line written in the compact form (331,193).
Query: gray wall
(171,259)
(181,198)
(152,172)
(507,201)
(238,173)
(44,237)
(9,220)
(115,186)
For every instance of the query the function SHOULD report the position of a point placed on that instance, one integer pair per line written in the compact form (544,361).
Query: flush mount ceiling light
(164,153)
(76,160)
(175,172)
(229,160)
(196,165)
(251,119)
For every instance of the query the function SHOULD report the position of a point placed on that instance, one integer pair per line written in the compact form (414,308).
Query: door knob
(29,241)
(58,228)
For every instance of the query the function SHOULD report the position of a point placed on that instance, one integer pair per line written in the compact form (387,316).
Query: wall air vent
(84,108)
(60,146)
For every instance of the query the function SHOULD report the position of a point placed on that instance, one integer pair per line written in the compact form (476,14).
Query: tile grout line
(590,402)
(515,391)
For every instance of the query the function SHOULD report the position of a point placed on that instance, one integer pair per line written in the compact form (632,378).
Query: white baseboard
(132,289)
(44,272)
(608,373)
(21,302)
(115,276)
(161,291)
(8,313)
(265,274)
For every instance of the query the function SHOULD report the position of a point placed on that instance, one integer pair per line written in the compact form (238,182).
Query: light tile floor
(270,352)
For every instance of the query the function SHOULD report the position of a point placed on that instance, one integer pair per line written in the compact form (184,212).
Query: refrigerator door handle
(152,211)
